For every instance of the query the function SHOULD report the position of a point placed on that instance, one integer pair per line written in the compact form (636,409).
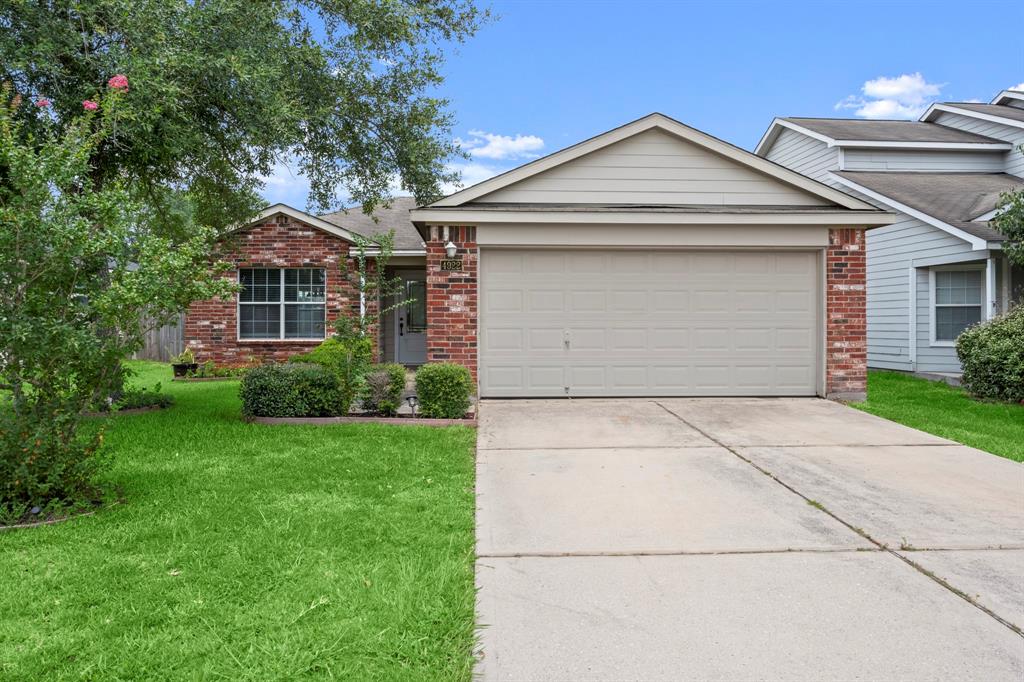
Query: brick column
(846,344)
(452,298)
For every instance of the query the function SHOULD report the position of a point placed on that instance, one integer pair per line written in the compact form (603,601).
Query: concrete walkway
(744,539)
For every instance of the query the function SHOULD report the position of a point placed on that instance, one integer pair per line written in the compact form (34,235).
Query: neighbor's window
(958,302)
(287,303)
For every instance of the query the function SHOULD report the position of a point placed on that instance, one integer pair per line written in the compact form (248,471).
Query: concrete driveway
(741,539)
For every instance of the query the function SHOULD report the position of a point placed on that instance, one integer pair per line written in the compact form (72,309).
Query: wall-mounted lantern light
(450,249)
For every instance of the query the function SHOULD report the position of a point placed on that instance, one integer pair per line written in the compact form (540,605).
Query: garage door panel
(662,323)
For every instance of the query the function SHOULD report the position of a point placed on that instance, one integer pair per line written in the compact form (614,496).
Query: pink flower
(89,105)
(118,82)
(42,102)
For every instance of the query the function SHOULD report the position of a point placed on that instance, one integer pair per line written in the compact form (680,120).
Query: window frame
(281,302)
(933,304)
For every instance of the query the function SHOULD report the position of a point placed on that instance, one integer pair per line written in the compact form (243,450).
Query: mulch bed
(400,421)
(186,380)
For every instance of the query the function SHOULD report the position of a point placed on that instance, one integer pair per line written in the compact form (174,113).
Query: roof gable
(848,132)
(680,165)
(301,216)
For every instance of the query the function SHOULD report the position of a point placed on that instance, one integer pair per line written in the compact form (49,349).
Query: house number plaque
(451,264)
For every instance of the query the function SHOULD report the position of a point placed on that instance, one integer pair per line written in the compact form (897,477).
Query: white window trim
(281,303)
(957,267)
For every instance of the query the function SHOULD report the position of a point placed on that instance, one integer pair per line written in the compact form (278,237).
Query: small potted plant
(184,363)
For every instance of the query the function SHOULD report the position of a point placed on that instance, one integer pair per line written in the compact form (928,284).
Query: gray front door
(411,320)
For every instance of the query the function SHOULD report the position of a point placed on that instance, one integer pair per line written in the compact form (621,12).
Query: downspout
(912,316)
(990,287)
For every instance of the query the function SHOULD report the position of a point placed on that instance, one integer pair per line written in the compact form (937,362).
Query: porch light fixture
(450,249)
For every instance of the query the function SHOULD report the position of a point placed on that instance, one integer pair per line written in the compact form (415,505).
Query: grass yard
(244,551)
(946,411)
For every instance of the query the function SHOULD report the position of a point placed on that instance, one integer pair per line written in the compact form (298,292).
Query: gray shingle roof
(394,217)
(953,198)
(1001,110)
(889,131)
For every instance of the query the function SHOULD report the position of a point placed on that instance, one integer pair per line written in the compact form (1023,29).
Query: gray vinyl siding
(920,160)
(1013,160)
(890,251)
(805,155)
(653,167)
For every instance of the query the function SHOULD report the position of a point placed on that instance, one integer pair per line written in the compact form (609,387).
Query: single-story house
(939,268)
(651,260)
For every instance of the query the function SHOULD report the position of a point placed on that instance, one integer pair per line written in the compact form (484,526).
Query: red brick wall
(846,345)
(452,299)
(211,326)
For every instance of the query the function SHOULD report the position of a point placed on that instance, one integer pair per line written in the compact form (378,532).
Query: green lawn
(949,412)
(243,551)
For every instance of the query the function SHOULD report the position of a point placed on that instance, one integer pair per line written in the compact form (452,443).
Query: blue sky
(547,74)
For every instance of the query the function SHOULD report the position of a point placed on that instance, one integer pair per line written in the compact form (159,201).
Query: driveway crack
(859,531)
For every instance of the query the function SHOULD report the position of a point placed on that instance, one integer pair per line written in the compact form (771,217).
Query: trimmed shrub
(992,355)
(348,358)
(290,390)
(383,390)
(443,390)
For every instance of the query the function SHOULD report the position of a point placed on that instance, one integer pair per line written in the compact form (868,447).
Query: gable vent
(282,219)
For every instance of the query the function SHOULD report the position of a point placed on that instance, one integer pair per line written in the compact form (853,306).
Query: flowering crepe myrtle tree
(81,265)
(225,90)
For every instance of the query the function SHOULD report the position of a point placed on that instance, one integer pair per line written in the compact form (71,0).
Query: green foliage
(1010,222)
(384,386)
(290,390)
(81,268)
(46,461)
(135,398)
(348,357)
(443,390)
(992,355)
(221,91)
(185,357)
(210,370)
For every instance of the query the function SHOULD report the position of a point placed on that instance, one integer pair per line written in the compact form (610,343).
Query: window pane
(416,309)
(950,322)
(304,321)
(304,286)
(958,287)
(259,285)
(259,321)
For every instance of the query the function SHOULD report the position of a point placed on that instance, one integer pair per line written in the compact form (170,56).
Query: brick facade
(846,347)
(452,298)
(211,326)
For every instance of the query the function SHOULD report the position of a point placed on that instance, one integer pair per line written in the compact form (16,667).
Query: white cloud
(471,173)
(906,96)
(484,145)
(1018,86)
(286,185)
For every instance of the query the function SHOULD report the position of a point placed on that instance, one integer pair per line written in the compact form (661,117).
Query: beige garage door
(662,323)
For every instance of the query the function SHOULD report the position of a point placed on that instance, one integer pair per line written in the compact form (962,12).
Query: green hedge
(383,388)
(992,356)
(291,390)
(443,390)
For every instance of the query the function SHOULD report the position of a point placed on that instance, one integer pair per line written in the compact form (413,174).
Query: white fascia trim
(934,109)
(1007,94)
(951,146)
(399,252)
(301,216)
(672,127)
(463,217)
(977,243)
(773,131)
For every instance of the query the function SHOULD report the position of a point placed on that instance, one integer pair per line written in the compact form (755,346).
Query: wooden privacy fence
(164,342)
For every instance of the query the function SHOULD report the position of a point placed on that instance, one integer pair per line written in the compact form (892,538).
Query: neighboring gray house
(940,268)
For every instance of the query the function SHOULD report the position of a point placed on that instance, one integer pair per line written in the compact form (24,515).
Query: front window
(958,302)
(282,303)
